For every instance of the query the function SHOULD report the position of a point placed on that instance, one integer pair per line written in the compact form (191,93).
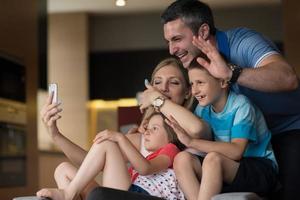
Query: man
(258,71)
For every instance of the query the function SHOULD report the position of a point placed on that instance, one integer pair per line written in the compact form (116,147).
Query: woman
(169,80)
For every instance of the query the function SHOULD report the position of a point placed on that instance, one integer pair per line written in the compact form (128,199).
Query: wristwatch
(158,103)
(236,71)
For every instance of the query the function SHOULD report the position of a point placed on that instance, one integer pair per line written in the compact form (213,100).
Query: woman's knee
(62,169)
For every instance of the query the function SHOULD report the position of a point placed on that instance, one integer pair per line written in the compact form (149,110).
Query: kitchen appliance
(12,143)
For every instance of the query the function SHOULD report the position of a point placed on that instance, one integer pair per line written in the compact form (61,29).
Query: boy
(240,158)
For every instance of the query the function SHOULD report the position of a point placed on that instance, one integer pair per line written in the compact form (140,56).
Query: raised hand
(217,66)
(148,96)
(107,135)
(50,114)
(182,135)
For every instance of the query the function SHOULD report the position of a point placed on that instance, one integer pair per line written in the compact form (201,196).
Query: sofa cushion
(237,196)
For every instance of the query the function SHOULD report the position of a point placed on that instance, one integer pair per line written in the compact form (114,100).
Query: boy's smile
(200,97)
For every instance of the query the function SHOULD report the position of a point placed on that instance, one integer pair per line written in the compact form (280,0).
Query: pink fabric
(169,150)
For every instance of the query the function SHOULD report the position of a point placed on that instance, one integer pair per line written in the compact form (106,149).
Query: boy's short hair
(195,65)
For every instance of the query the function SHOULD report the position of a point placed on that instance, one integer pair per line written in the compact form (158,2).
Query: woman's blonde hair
(188,103)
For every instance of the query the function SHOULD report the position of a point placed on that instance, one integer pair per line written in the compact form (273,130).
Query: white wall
(144,31)
(127,32)
(68,66)
(264,19)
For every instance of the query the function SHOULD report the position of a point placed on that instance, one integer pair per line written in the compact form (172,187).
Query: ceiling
(138,6)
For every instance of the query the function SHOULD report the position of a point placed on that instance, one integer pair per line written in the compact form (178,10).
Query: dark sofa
(102,193)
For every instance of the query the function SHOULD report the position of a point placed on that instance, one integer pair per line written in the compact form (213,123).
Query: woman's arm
(192,124)
(50,113)
(74,153)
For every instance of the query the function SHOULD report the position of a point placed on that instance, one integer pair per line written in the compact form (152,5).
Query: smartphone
(146,82)
(53,89)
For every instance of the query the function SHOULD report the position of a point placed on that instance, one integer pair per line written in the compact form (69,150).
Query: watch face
(158,102)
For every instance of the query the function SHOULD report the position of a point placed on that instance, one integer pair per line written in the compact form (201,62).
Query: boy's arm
(233,150)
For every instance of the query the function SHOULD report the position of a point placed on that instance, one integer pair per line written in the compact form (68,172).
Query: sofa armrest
(31,198)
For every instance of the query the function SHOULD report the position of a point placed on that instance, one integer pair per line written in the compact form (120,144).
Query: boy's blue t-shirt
(240,119)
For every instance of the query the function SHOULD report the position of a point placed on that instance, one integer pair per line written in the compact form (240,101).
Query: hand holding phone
(53,89)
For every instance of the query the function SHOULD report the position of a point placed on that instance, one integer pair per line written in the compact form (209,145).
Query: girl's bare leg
(106,157)
(188,172)
(216,169)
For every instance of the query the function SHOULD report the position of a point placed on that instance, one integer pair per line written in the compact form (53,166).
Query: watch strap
(236,72)
(157,105)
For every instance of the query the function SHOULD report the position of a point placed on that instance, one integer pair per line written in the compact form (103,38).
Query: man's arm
(273,73)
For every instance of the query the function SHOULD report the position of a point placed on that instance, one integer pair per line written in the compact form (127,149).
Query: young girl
(106,155)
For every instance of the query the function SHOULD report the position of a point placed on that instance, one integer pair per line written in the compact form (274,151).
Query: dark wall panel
(121,74)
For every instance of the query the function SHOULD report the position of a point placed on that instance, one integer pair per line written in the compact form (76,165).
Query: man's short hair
(193,13)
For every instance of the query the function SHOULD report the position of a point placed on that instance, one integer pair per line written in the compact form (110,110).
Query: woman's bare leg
(216,169)
(188,172)
(106,157)
(65,173)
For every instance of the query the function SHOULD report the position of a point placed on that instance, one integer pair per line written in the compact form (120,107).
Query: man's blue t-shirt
(240,119)
(247,48)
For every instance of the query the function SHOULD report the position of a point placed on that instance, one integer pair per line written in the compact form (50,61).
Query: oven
(12,143)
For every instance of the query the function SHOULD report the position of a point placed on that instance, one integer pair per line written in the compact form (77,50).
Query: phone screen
(53,89)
